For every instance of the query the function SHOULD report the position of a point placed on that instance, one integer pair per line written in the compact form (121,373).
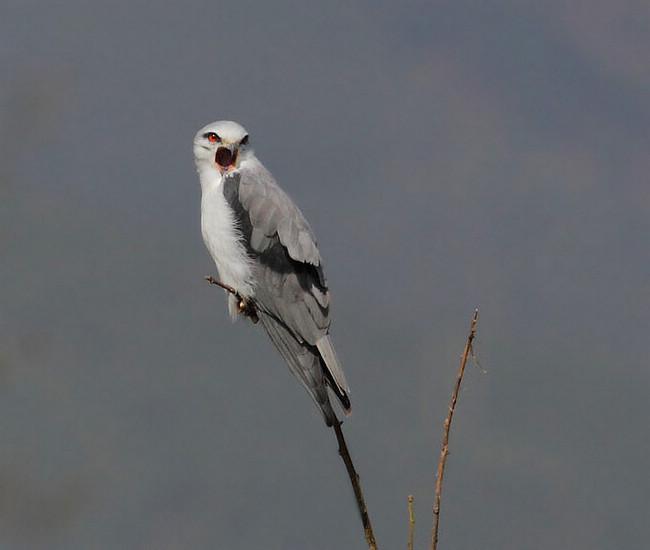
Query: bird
(266,253)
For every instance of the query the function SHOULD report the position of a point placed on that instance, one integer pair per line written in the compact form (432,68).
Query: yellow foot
(246,308)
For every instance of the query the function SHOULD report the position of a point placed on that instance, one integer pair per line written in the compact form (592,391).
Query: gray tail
(304,362)
(334,373)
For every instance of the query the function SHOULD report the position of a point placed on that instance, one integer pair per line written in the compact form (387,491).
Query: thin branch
(356,486)
(213,281)
(244,306)
(445,434)
(409,544)
(247,308)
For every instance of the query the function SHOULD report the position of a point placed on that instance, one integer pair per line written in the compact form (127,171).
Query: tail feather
(304,362)
(334,372)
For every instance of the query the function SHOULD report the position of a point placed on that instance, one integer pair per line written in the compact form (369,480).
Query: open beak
(226,157)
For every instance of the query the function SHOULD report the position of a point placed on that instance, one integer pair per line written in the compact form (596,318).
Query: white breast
(221,237)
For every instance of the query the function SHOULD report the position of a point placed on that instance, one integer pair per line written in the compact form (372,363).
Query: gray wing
(304,362)
(291,290)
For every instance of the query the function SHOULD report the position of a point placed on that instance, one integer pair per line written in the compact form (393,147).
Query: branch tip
(444,451)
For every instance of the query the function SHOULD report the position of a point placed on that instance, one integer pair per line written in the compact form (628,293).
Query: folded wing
(291,292)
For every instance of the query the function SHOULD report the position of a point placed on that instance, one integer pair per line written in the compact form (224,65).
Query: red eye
(212,137)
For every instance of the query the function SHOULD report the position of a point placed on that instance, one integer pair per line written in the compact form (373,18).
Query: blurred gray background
(449,155)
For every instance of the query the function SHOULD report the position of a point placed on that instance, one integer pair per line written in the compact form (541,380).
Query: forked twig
(356,487)
(445,434)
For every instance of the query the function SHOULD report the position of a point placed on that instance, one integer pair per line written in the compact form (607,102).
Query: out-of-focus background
(449,155)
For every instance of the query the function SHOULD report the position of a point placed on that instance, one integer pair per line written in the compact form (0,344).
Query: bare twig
(244,306)
(356,487)
(213,281)
(247,308)
(445,434)
(409,544)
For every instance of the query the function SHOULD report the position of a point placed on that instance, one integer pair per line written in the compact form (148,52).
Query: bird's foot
(246,308)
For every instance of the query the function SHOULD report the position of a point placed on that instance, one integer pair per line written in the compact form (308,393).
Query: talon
(243,306)
(247,309)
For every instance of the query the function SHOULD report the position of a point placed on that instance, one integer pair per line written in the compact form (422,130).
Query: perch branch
(356,486)
(244,306)
(445,434)
(247,308)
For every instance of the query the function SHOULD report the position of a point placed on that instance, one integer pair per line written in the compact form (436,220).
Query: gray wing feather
(328,354)
(290,283)
(291,292)
(272,212)
(259,240)
(303,363)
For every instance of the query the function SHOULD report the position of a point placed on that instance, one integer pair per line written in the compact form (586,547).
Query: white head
(222,145)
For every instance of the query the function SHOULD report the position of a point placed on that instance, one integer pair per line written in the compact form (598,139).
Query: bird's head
(222,144)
